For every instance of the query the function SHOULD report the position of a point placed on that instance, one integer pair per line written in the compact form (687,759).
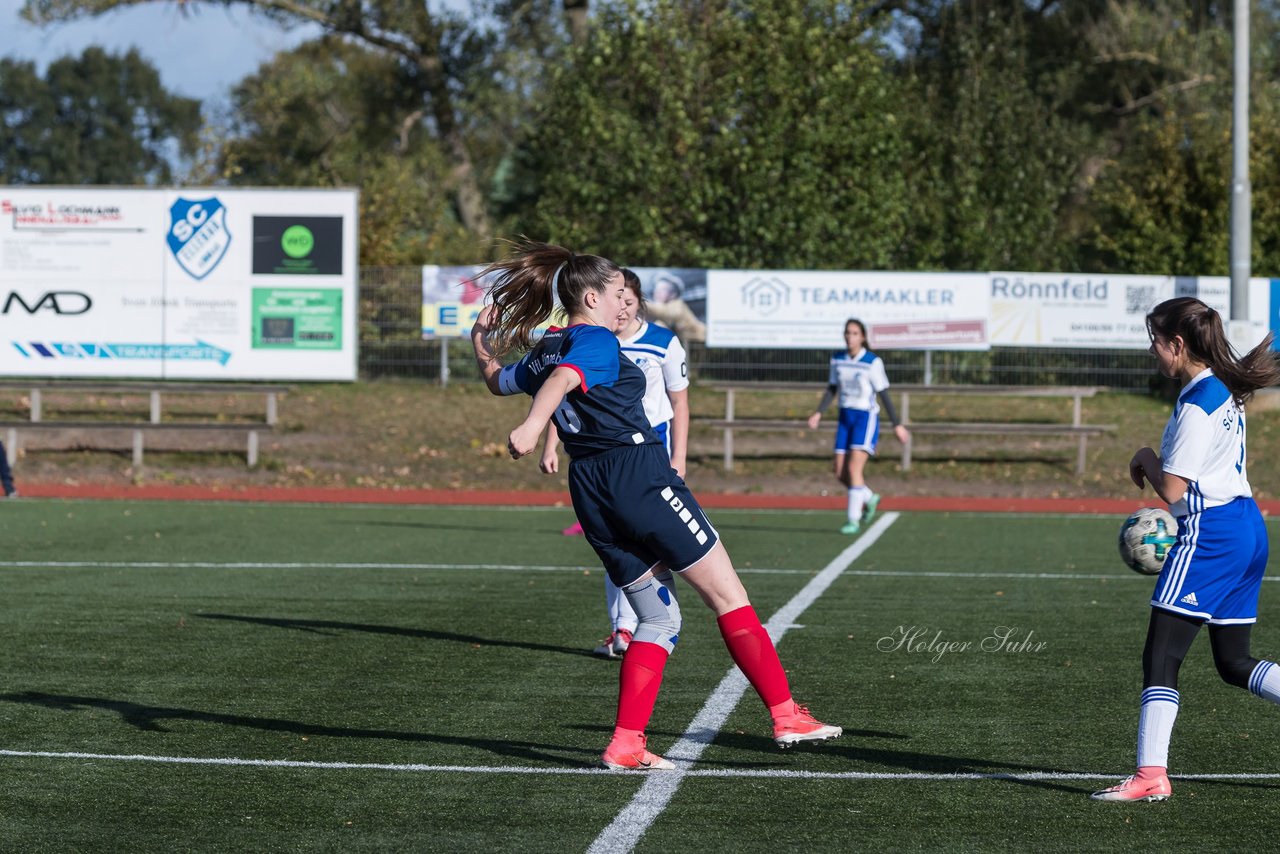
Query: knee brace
(654,601)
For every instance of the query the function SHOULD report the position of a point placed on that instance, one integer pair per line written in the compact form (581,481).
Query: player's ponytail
(1201,330)
(526,284)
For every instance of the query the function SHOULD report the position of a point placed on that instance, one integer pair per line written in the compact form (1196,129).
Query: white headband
(555,280)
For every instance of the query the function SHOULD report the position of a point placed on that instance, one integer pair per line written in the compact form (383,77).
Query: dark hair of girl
(1201,330)
(858,323)
(632,281)
(526,284)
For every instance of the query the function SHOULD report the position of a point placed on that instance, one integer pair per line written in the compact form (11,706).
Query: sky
(200,54)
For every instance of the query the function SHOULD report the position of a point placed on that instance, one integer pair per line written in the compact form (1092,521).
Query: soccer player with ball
(1213,571)
(636,512)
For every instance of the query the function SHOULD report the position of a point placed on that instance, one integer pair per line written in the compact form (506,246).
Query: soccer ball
(1145,540)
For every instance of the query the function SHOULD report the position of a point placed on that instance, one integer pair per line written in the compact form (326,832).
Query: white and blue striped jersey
(1203,443)
(859,378)
(658,352)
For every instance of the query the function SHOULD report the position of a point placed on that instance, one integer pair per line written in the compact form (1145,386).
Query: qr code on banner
(1138,299)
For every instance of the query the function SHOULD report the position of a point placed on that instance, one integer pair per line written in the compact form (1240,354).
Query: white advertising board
(807,309)
(1072,310)
(189,283)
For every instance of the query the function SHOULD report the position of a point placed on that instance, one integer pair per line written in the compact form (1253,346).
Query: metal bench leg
(906,452)
(1081,454)
(155,407)
(137,448)
(271,406)
(252,454)
(11,449)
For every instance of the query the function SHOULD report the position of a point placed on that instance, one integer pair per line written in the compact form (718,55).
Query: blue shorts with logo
(637,513)
(857,430)
(1215,570)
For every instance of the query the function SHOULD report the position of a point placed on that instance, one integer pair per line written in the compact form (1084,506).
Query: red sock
(752,650)
(638,684)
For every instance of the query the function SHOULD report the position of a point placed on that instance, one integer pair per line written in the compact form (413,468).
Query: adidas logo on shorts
(1189,599)
(677,505)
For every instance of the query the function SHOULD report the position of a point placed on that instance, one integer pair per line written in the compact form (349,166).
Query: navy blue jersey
(606,410)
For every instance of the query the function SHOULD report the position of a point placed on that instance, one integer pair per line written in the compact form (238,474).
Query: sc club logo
(55,302)
(198,235)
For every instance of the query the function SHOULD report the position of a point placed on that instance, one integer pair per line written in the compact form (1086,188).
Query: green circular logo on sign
(297,241)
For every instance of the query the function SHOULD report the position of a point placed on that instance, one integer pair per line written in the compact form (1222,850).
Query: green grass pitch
(216,676)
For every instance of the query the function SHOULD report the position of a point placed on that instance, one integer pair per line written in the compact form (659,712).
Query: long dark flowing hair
(526,284)
(1206,340)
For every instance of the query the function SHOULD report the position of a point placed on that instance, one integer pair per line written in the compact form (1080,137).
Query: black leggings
(1169,636)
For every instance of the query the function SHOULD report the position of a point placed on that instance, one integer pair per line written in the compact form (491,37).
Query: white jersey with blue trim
(658,352)
(859,377)
(1204,444)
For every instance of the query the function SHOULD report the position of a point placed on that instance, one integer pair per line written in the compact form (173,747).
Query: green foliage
(991,165)
(722,135)
(334,114)
(94,119)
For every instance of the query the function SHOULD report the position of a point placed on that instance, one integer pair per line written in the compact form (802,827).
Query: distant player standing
(658,352)
(1214,571)
(858,376)
(640,518)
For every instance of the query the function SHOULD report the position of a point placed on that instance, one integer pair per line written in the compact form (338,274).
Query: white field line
(469,567)
(512,567)
(723,773)
(656,792)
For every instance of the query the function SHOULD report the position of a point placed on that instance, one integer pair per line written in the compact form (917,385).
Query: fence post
(444,362)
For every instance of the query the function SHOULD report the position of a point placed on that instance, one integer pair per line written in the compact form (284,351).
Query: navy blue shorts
(637,513)
(1215,570)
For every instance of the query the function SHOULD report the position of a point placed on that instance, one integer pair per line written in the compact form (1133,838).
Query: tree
(335,114)
(992,165)
(95,119)
(444,58)
(721,134)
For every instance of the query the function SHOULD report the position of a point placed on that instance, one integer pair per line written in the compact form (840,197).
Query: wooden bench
(249,429)
(37,388)
(1075,429)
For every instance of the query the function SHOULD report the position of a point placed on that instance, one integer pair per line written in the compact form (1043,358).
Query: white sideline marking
(724,773)
(658,789)
(514,567)
(470,567)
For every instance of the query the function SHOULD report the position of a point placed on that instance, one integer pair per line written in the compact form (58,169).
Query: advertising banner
(1080,311)
(807,309)
(184,283)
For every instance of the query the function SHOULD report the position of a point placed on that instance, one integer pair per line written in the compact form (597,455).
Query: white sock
(855,503)
(1155,725)
(1265,681)
(621,614)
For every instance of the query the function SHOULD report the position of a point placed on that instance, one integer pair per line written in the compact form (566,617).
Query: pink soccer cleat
(629,754)
(614,645)
(574,530)
(1136,788)
(801,726)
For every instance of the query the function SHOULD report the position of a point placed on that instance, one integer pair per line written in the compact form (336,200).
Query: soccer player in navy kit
(659,353)
(858,376)
(639,516)
(1214,571)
